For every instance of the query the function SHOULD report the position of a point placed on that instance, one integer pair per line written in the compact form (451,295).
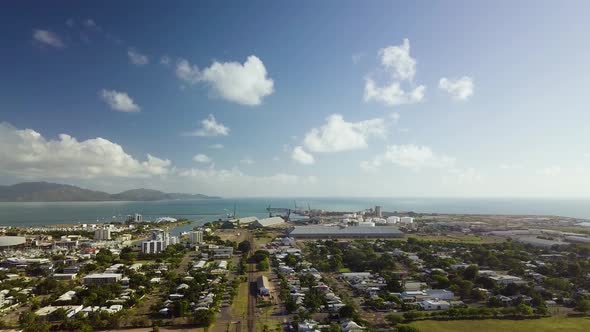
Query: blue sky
(306,99)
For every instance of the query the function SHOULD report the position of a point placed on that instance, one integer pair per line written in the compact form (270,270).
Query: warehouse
(327,232)
(268,222)
(263,286)
(11,242)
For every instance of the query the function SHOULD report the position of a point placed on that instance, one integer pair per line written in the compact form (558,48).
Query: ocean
(200,211)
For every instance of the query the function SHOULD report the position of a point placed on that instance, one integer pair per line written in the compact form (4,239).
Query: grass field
(490,325)
(459,238)
(239,306)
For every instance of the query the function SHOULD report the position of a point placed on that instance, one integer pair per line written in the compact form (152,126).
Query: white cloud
(187,72)
(392,94)
(398,61)
(459,89)
(46,37)
(137,58)
(216,146)
(210,127)
(247,161)
(119,101)
(201,158)
(165,60)
(27,154)
(301,156)
(245,84)
(395,117)
(338,135)
(409,156)
(401,67)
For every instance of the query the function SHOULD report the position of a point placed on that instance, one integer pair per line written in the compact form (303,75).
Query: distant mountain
(54,192)
(155,195)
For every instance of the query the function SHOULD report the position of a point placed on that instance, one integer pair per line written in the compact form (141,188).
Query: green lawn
(240,304)
(489,325)
(458,238)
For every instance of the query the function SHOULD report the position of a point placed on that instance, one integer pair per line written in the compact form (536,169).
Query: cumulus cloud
(301,156)
(408,156)
(137,58)
(187,72)
(397,62)
(338,135)
(392,94)
(245,84)
(119,101)
(47,38)
(201,158)
(459,89)
(210,127)
(26,153)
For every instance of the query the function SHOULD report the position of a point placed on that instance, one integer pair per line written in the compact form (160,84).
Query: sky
(298,98)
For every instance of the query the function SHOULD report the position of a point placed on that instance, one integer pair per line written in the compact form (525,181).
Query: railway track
(251,289)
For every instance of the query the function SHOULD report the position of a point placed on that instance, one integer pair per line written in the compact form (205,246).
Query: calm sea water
(27,214)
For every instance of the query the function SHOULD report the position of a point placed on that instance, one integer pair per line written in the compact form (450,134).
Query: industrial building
(9,242)
(326,232)
(268,222)
(263,286)
(101,278)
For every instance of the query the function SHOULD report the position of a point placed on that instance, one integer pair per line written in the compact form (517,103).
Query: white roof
(270,221)
(103,275)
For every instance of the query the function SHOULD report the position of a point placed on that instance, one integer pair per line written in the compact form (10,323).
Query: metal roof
(345,231)
(270,221)
(9,241)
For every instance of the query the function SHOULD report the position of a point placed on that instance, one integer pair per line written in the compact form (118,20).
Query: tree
(244,246)
(180,308)
(394,319)
(471,272)
(524,309)
(30,322)
(263,265)
(46,286)
(203,318)
(583,305)
(290,304)
(127,254)
(334,327)
(314,299)
(104,257)
(347,312)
